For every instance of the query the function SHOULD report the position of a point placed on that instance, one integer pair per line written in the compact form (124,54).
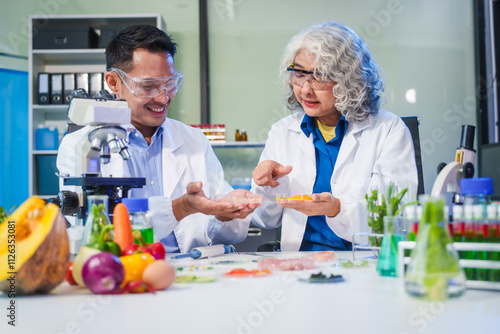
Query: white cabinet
(59,56)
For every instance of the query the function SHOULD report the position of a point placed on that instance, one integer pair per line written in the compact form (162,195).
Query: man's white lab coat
(187,156)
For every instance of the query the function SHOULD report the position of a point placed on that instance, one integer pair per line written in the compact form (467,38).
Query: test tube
(481,274)
(468,237)
(493,218)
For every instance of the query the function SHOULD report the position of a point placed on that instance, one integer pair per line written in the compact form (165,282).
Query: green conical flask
(433,272)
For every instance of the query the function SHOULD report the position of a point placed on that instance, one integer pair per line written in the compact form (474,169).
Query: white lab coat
(373,153)
(187,156)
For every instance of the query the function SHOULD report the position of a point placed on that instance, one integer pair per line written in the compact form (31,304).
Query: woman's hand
(323,204)
(266,173)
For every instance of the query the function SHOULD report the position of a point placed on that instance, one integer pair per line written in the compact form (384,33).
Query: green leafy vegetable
(100,237)
(390,206)
(376,213)
(5,214)
(99,220)
(350,264)
(195,279)
(321,278)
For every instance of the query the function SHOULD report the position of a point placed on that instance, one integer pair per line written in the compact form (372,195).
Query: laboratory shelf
(59,61)
(239,144)
(69,55)
(50,108)
(45,152)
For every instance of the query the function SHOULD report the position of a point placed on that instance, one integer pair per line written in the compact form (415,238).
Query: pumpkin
(36,259)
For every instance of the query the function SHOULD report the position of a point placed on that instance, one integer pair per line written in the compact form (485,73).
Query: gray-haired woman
(336,145)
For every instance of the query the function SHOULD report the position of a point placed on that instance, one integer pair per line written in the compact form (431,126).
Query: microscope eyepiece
(467,139)
(81,93)
(104,94)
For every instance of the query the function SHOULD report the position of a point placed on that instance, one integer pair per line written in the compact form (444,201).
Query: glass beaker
(97,218)
(433,272)
(376,212)
(387,264)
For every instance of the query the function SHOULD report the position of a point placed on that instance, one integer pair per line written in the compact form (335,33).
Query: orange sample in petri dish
(301,198)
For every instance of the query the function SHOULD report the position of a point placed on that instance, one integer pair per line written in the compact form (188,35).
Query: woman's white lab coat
(187,156)
(373,153)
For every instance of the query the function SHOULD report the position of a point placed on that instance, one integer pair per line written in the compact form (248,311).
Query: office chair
(413,122)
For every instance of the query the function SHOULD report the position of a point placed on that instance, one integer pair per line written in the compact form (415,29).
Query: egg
(159,275)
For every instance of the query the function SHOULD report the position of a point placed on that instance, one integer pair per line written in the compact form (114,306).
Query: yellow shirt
(328,132)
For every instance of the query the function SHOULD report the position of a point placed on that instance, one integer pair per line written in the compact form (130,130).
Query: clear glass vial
(97,218)
(137,208)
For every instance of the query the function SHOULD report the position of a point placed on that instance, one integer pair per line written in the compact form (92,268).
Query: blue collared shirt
(146,161)
(318,235)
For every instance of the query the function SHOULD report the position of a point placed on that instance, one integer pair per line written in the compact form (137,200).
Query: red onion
(103,273)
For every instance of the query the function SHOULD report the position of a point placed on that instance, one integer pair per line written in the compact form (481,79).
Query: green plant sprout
(377,211)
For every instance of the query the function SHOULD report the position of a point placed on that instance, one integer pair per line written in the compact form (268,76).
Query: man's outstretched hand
(195,200)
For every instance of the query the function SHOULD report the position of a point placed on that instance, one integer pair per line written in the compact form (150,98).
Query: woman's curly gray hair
(341,56)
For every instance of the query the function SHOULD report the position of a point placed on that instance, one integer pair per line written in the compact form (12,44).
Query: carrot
(122,227)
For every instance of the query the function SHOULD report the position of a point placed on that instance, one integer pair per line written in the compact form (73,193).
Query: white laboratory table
(280,303)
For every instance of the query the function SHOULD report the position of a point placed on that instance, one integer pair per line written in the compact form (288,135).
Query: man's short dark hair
(120,49)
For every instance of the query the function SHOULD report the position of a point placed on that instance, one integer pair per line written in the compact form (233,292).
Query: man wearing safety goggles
(181,170)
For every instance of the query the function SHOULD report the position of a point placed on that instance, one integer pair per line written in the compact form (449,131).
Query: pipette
(203,252)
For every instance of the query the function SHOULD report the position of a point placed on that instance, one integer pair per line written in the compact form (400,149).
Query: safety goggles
(150,87)
(299,77)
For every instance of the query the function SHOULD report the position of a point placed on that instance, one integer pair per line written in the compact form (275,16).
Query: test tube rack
(213,132)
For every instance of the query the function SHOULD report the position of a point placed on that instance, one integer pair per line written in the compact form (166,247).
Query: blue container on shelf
(46,138)
(47,180)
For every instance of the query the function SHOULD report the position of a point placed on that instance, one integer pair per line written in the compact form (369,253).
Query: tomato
(132,249)
(69,275)
(157,250)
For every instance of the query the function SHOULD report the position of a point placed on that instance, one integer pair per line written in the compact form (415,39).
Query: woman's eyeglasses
(299,77)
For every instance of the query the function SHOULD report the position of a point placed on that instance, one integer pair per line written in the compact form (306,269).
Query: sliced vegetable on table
(34,245)
(240,272)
